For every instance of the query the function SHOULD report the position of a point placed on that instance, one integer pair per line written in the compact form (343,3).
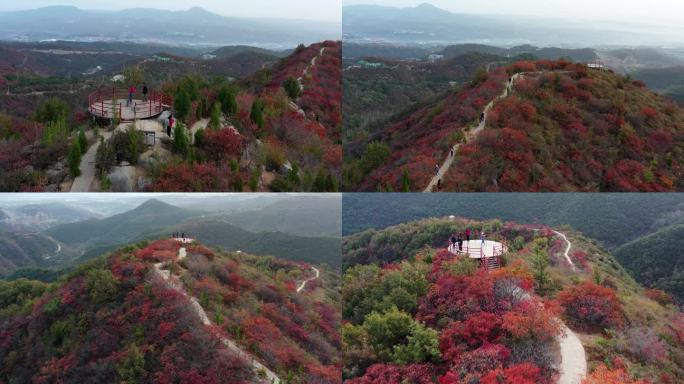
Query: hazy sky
(325,10)
(639,11)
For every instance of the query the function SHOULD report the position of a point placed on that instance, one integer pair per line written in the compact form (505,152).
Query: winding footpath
(573,367)
(567,250)
(303,285)
(573,364)
(261,371)
(470,135)
(300,80)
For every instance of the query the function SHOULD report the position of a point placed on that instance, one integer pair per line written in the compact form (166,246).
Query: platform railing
(100,103)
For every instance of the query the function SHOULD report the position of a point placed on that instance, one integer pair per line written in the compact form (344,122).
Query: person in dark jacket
(145,90)
(169,127)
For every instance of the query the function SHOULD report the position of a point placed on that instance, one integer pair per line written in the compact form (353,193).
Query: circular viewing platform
(476,250)
(113,104)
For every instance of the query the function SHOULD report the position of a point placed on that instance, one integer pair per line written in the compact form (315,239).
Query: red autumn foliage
(517,374)
(590,306)
(659,296)
(473,333)
(516,153)
(603,375)
(531,321)
(396,374)
(196,178)
(223,144)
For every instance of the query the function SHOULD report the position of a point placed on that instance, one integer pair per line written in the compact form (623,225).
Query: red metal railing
(110,103)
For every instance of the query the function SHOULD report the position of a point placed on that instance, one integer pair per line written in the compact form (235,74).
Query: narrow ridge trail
(261,371)
(573,367)
(470,135)
(303,285)
(567,250)
(573,364)
(300,80)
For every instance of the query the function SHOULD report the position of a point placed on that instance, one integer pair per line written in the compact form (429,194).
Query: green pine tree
(257,114)
(292,88)
(215,121)
(405,182)
(82,141)
(75,159)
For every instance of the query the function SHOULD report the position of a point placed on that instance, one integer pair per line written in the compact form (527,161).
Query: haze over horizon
(619,11)
(315,10)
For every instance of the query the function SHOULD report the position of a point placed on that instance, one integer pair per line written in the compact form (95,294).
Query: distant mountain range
(302,229)
(427,24)
(196,26)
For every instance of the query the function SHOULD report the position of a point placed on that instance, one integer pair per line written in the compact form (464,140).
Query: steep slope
(548,131)
(129,318)
(151,216)
(657,260)
(20,250)
(269,135)
(416,310)
(374,95)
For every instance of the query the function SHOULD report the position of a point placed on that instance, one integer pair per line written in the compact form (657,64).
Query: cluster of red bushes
(590,306)
(485,321)
(159,251)
(554,133)
(136,332)
(183,177)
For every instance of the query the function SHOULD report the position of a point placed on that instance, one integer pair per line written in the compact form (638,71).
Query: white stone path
(470,135)
(303,285)
(261,371)
(83,183)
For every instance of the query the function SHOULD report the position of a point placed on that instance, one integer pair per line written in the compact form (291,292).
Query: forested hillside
(553,126)
(171,312)
(417,311)
(657,260)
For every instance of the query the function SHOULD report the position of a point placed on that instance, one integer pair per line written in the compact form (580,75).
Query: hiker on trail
(131,91)
(483,237)
(437,169)
(145,90)
(468,234)
(482,117)
(452,241)
(451,153)
(169,127)
(183,236)
(439,184)
(460,241)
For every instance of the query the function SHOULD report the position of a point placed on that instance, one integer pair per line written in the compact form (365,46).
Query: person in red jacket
(468,235)
(131,91)
(169,128)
